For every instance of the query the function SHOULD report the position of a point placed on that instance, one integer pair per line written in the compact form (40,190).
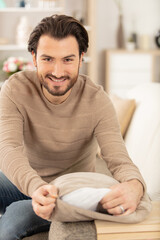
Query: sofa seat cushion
(143,136)
(72,231)
(38,236)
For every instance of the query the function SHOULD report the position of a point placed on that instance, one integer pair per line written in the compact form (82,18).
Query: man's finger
(127,212)
(45,195)
(110,196)
(117,210)
(52,190)
(42,210)
(44,200)
(49,189)
(113,203)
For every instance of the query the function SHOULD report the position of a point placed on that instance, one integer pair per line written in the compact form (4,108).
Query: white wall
(143,16)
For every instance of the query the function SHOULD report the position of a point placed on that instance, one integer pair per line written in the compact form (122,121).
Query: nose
(57,70)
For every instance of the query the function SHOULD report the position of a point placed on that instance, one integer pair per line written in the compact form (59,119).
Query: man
(51,120)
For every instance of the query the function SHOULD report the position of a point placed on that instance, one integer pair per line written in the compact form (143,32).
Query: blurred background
(124,38)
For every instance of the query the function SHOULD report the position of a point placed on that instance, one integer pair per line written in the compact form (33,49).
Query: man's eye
(68,59)
(47,59)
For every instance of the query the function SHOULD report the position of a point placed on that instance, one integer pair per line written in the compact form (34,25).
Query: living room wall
(141,16)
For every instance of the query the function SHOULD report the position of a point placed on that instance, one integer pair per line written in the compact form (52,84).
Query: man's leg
(8,193)
(18,219)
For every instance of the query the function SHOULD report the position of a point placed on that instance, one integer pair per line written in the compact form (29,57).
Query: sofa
(139,117)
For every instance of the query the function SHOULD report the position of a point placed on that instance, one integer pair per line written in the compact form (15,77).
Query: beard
(56,90)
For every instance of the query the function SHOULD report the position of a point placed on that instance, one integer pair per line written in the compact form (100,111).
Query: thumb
(52,190)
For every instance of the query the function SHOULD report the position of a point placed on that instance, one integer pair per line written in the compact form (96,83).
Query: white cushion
(86,197)
(143,136)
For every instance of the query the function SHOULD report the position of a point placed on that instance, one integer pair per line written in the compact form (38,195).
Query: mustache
(57,78)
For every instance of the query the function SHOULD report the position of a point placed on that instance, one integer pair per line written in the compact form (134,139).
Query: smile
(59,80)
(56,80)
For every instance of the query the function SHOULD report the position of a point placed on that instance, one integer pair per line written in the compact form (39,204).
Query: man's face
(57,63)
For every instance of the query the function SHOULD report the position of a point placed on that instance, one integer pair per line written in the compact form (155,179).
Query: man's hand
(44,200)
(123,196)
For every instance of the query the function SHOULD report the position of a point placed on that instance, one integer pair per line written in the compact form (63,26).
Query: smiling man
(51,121)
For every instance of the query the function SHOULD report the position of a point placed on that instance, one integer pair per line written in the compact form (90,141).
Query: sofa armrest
(143,134)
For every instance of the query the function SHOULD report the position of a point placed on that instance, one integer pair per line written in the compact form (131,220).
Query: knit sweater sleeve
(113,150)
(13,161)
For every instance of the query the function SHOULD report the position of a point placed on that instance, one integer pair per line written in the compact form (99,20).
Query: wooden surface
(146,230)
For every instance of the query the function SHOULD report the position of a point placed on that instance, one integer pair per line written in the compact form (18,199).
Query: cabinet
(125,69)
(10,16)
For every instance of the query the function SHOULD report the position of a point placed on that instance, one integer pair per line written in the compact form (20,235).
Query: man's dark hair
(59,27)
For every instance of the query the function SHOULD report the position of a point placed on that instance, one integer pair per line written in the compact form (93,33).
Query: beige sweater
(40,141)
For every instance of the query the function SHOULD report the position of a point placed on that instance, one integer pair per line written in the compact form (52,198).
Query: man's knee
(20,221)
(13,224)
(8,233)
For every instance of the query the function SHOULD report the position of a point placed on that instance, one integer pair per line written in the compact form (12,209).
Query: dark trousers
(18,219)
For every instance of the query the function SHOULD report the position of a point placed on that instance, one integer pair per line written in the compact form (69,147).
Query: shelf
(13,47)
(136,51)
(35,13)
(30,10)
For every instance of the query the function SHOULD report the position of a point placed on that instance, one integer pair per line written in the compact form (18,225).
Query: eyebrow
(44,55)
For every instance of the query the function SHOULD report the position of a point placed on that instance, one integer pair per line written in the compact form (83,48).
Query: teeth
(58,80)
(54,80)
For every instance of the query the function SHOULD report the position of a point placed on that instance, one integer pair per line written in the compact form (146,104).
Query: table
(149,229)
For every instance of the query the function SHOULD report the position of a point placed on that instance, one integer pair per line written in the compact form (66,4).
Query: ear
(81,59)
(34,58)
